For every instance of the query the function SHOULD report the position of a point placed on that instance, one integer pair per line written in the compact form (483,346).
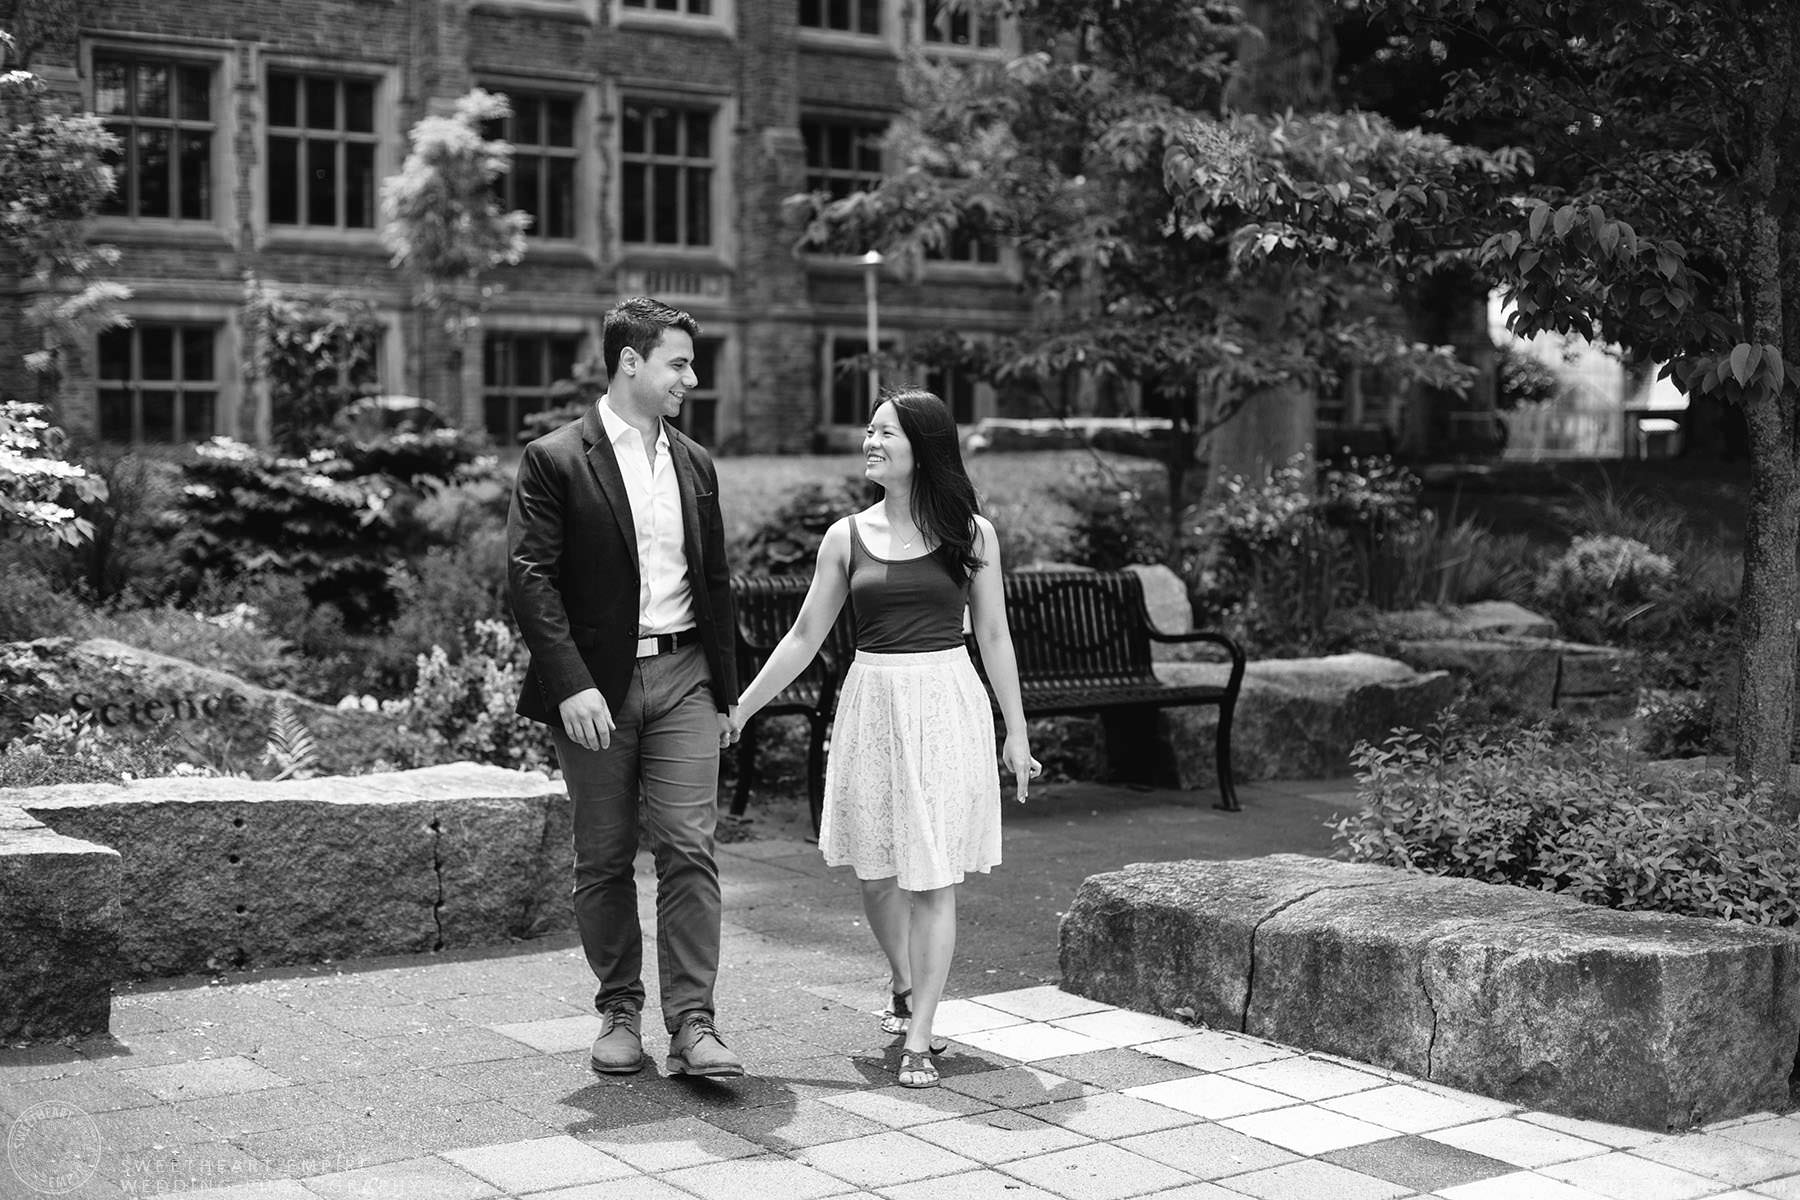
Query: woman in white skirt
(912,796)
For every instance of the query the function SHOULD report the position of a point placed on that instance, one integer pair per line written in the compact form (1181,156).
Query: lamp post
(871,263)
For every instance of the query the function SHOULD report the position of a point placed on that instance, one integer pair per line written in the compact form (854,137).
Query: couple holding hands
(619,583)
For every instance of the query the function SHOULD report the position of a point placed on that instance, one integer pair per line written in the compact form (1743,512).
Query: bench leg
(1131,744)
(746,763)
(1228,800)
(815,772)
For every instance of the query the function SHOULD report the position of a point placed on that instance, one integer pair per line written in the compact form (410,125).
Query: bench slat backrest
(767,606)
(1078,626)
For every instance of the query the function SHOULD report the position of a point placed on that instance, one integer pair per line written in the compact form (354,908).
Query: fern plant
(291,750)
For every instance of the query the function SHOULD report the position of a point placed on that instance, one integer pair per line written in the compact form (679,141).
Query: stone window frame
(222,166)
(514,393)
(721,106)
(389,148)
(892,340)
(220,322)
(1006,32)
(645,14)
(587,11)
(586,182)
(711,391)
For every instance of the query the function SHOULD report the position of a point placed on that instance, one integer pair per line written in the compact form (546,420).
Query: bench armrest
(1218,639)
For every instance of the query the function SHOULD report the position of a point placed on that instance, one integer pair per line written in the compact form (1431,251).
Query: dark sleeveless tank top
(903,606)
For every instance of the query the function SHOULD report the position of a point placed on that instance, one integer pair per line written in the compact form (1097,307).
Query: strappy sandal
(918,1065)
(896,1018)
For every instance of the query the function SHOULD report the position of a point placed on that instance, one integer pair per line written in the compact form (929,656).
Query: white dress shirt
(665,602)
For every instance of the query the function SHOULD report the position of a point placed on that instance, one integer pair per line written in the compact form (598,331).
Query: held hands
(1025,768)
(730,728)
(587,720)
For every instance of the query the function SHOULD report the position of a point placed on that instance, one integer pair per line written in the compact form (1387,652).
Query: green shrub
(65,749)
(1580,817)
(232,640)
(787,543)
(1116,523)
(1674,724)
(33,604)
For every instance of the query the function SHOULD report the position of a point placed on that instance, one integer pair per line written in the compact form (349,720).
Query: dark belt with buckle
(664,643)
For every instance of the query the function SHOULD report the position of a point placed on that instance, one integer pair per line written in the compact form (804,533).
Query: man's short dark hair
(640,322)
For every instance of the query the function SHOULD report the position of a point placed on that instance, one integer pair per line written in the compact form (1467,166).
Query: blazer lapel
(605,465)
(689,482)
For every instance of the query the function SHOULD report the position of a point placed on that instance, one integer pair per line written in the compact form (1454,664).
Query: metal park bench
(1083,642)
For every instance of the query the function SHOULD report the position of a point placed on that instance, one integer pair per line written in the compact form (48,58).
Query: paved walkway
(464,1076)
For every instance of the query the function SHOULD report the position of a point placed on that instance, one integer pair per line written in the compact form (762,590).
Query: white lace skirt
(912,784)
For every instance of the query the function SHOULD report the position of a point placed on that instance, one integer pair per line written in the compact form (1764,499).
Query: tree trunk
(1766,633)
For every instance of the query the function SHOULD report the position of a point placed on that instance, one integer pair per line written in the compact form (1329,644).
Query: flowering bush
(463,708)
(1580,817)
(35,482)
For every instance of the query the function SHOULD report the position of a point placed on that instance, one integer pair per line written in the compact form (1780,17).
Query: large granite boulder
(221,873)
(1488,618)
(1649,1020)
(125,689)
(59,930)
(1298,718)
(1539,673)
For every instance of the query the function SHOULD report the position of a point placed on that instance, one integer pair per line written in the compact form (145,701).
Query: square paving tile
(1211,1096)
(638,1187)
(1307,1129)
(1042,1003)
(957,1017)
(998,1136)
(1726,1159)
(1521,1185)
(1110,1115)
(898,1107)
(412,1179)
(1211,1051)
(1404,1108)
(1031,1043)
(1619,1137)
(1628,1177)
(258,1112)
(1520,1143)
(1780,1189)
(674,1143)
(1117,1069)
(1018,1087)
(556,1035)
(772,1176)
(1777,1133)
(883,1159)
(1097,1172)
(415,1131)
(197,1080)
(1306,1078)
(92,1092)
(970,1185)
(784,1127)
(539,1164)
(1313,1180)
(1419,1163)
(1121,1027)
(1206,1151)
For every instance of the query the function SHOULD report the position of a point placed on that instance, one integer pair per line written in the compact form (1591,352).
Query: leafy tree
(1060,153)
(442,222)
(1656,217)
(309,357)
(53,178)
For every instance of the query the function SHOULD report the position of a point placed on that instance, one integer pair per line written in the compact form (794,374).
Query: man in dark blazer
(618,579)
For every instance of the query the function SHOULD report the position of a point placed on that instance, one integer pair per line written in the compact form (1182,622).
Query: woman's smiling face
(887,454)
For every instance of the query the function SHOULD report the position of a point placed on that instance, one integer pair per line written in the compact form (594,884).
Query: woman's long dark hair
(943,497)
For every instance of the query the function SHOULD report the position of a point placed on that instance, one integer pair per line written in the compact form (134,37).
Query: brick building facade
(655,141)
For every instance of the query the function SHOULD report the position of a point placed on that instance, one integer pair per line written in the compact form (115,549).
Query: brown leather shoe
(697,1049)
(618,1050)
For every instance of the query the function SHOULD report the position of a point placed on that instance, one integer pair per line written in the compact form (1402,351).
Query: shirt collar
(617,428)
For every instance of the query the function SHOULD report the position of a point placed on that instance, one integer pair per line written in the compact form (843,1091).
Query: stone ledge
(1635,1018)
(1298,718)
(59,931)
(228,873)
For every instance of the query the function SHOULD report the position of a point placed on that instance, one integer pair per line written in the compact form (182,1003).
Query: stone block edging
(1641,1019)
(208,874)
